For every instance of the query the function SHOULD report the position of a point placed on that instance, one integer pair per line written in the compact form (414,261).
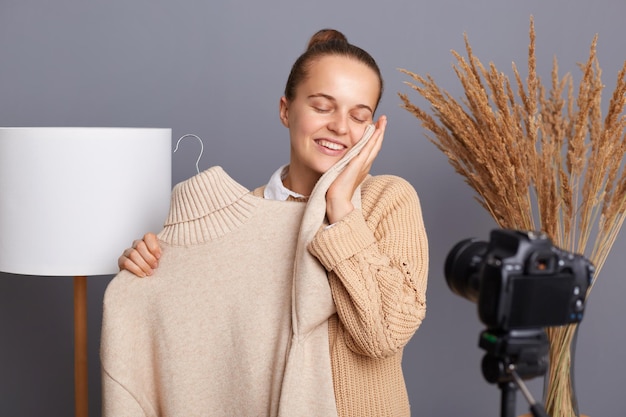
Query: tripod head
(513,356)
(526,350)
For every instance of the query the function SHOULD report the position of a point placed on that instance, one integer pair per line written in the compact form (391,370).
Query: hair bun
(326,35)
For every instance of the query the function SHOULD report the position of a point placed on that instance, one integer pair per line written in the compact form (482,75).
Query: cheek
(299,131)
(307,124)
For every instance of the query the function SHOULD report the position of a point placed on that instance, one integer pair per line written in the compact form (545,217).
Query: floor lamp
(71,200)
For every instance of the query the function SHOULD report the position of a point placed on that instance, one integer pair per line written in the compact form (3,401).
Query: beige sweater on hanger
(210,332)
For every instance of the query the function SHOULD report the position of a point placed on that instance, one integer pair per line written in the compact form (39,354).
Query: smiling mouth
(330,145)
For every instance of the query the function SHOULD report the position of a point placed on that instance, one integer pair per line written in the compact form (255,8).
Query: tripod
(513,356)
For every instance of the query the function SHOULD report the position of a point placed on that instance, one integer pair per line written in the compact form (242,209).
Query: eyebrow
(331,98)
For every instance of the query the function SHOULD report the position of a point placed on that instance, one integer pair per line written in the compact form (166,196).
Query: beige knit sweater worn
(377,263)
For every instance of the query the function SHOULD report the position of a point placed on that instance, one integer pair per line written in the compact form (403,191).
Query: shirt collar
(275,190)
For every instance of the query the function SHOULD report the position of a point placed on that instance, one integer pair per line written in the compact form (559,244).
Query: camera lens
(461,268)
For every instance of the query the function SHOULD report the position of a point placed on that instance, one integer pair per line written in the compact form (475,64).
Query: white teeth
(330,145)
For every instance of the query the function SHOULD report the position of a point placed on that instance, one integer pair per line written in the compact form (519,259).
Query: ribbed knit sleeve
(377,259)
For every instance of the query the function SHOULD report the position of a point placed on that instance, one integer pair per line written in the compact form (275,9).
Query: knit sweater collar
(206,206)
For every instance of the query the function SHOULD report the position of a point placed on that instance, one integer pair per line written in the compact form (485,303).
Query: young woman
(375,255)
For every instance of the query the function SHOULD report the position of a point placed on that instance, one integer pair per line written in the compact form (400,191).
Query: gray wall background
(217,69)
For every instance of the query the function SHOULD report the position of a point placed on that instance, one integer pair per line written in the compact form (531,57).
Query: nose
(339,124)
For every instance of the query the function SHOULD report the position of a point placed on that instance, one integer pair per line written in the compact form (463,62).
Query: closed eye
(361,116)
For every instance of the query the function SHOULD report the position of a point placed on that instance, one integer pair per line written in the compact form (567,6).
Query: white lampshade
(73,198)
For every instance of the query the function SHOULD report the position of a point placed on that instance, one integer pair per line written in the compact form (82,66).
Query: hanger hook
(201,148)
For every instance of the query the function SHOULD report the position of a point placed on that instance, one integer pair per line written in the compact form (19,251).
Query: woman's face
(328,116)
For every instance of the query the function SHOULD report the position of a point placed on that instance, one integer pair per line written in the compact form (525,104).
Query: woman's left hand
(340,192)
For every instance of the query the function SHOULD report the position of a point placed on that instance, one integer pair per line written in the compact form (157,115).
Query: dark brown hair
(323,43)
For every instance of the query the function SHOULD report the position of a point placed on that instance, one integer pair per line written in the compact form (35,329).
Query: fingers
(368,154)
(152,243)
(371,149)
(359,167)
(142,258)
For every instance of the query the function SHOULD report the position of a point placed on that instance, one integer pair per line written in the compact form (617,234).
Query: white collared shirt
(275,190)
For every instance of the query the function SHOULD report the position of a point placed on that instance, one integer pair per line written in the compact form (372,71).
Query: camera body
(520,280)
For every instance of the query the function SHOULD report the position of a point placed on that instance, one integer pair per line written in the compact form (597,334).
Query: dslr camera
(519,280)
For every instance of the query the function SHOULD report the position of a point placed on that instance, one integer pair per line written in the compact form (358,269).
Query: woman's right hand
(143,257)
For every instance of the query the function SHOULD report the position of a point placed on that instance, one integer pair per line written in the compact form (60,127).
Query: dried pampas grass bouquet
(539,157)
